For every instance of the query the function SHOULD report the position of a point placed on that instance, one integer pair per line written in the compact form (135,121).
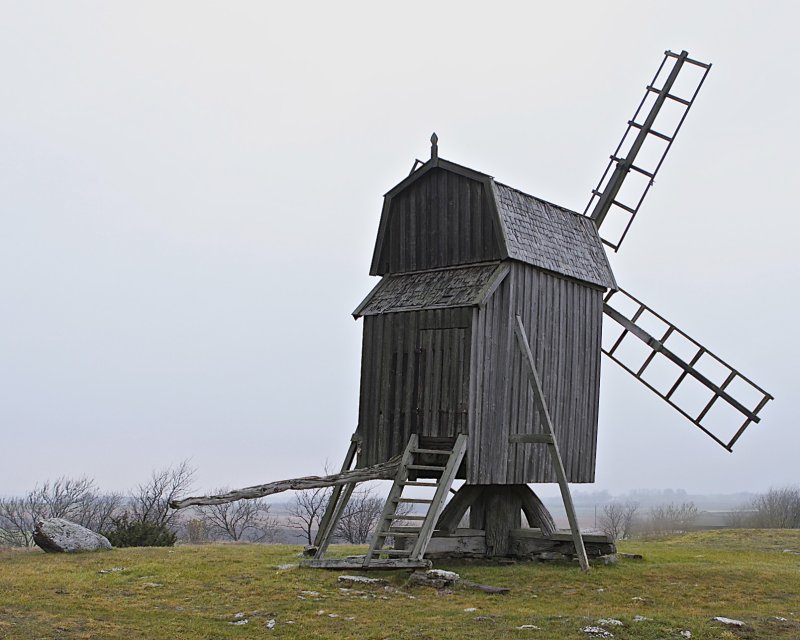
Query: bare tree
(360,517)
(242,520)
(617,519)
(306,510)
(362,514)
(150,501)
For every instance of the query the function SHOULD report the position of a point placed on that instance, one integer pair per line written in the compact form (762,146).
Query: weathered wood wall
(441,220)
(448,371)
(414,379)
(563,320)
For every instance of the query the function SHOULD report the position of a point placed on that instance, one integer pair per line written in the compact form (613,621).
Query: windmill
(483,334)
(482,347)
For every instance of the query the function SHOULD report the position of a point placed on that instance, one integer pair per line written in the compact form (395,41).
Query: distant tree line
(775,509)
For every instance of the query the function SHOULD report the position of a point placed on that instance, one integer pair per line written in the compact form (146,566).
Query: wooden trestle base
(522,544)
(463,544)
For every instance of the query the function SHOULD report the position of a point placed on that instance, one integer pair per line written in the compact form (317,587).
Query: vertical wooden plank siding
(441,372)
(563,319)
(415,379)
(443,219)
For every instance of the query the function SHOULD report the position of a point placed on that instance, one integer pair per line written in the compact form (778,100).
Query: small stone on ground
(610,622)
(597,632)
(729,621)
(362,580)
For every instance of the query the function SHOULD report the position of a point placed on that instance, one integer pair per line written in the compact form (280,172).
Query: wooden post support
(552,444)
(336,504)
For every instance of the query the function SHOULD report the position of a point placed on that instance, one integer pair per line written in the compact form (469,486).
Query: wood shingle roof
(551,237)
(438,289)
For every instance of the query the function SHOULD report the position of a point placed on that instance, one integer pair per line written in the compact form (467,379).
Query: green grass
(196,591)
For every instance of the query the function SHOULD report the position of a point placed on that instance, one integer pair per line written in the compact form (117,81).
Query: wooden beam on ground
(383,471)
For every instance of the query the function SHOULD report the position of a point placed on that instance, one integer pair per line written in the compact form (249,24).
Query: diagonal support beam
(552,445)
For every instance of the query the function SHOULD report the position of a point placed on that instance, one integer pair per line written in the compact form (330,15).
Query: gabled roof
(552,237)
(439,289)
(529,229)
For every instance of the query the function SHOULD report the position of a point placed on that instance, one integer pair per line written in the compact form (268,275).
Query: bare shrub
(776,509)
(617,520)
(16,523)
(195,531)
(672,518)
(77,500)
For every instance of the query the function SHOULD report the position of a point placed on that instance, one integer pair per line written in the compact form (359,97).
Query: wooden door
(441,382)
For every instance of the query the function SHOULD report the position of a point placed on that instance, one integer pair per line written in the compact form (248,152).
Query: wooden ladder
(421,535)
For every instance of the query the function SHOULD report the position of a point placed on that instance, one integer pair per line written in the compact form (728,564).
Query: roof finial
(434,147)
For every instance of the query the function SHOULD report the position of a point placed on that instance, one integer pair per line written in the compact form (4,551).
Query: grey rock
(441,574)
(56,535)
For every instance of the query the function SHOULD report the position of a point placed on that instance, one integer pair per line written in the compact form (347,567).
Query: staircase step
(415,483)
(403,534)
(435,452)
(397,516)
(415,500)
(425,467)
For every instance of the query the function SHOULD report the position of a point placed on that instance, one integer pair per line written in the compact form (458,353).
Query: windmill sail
(645,144)
(710,393)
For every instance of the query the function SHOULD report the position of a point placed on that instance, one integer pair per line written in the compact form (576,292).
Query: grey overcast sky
(190,192)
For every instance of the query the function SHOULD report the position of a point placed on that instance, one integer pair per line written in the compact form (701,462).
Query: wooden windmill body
(461,256)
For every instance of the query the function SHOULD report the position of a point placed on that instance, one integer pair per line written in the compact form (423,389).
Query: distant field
(197,591)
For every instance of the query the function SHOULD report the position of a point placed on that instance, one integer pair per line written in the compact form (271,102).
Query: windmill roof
(551,237)
(438,289)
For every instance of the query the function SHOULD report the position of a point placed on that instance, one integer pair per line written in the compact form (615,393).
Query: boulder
(56,535)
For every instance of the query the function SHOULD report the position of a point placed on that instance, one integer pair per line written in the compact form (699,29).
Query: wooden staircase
(415,462)
(420,535)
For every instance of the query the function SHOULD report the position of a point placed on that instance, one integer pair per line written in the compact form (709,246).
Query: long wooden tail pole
(383,471)
(552,444)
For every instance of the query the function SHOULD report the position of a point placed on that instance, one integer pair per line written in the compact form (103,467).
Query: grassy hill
(198,591)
